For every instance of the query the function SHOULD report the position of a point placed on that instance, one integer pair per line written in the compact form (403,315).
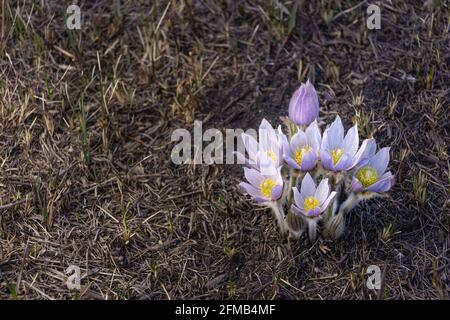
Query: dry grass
(85,124)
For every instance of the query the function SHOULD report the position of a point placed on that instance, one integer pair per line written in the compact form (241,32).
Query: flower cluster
(281,169)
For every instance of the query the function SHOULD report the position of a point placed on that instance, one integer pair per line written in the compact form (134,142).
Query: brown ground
(109,200)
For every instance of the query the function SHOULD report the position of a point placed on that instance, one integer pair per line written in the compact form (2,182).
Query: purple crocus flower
(339,153)
(263,188)
(302,151)
(371,175)
(267,154)
(304,105)
(311,201)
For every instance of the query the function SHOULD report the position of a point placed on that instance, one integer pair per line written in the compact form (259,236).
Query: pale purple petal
(322,191)
(313,136)
(326,203)
(286,149)
(253,176)
(267,136)
(291,162)
(351,141)
(276,192)
(298,140)
(324,142)
(327,161)
(265,164)
(304,105)
(309,160)
(335,134)
(380,160)
(313,212)
(344,163)
(366,151)
(382,185)
(356,185)
(247,188)
(277,176)
(308,187)
(298,198)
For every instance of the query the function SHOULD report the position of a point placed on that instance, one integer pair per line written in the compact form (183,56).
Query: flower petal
(336,134)
(265,164)
(298,140)
(344,163)
(298,198)
(313,136)
(384,184)
(326,203)
(276,192)
(308,187)
(380,160)
(285,144)
(324,142)
(304,105)
(277,176)
(267,136)
(309,160)
(291,162)
(247,188)
(351,141)
(366,151)
(327,161)
(322,191)
(253,176)
(314,212)
(356,185)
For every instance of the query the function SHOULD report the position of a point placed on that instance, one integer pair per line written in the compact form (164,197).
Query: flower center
(310,203)
(272,155)
(336,155)
(266,187)
(300,153)
(367,176)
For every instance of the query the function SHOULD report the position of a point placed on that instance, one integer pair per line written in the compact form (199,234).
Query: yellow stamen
(266,187)
(272,155)
(310,203)
(336,155)
(300,153)
(367,176)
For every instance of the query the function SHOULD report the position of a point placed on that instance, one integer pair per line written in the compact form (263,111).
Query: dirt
(109,200)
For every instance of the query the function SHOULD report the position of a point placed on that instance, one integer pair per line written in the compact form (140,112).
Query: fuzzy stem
(291,183)
(351,201)
(312,230)
(279,215)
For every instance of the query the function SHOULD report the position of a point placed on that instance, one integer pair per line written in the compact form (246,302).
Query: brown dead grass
(110,201)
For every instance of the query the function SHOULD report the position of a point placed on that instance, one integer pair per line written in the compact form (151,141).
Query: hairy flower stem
(312,230)
(295,225)
(340,194)
(351,201)
(279,216)
(291,183)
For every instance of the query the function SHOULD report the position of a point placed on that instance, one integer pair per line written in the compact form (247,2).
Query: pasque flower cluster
(309,179)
